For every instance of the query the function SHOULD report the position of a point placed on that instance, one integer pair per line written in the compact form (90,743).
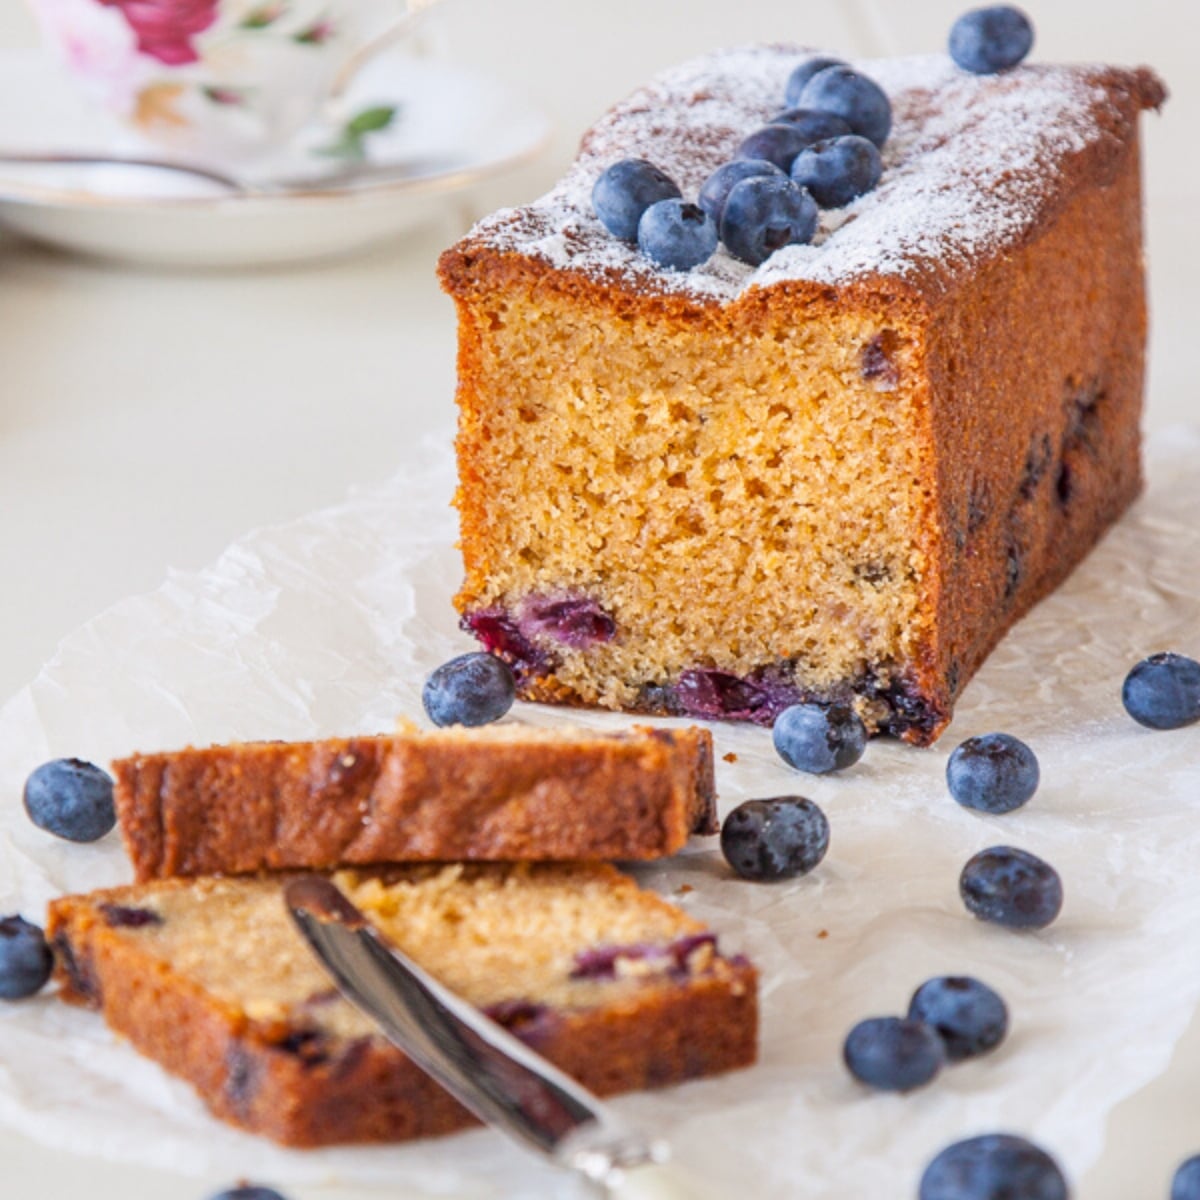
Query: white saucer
(462,127)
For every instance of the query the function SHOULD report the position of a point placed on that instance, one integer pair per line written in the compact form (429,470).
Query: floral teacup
(217,80)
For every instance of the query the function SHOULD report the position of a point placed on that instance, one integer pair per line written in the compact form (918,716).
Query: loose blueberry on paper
(798,79)
(677,235)
(1011,887)
(893,1054)
(1186,1183)
(25,959)
(985,41)
(997,1166)
(71,799)
(623,193)
(716,188)
(763,215)
(819,738)
(1163,691)
(780,838)
(838,170)
(966,1014)
(995,773)
(859,101)
(473,689)
(249,1192)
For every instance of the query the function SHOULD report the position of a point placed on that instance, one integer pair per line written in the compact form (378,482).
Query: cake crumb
(730,757)
(683,889)
(823,933)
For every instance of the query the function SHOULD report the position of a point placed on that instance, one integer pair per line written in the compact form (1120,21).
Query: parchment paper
(330,624)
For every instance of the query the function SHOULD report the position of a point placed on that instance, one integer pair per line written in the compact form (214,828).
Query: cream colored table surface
(146,419)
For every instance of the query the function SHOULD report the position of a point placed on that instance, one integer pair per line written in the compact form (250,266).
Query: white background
(147,418)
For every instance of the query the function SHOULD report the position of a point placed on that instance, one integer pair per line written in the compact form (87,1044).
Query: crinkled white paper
(329,625)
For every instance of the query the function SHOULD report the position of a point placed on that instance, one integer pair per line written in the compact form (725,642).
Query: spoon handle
(39,158)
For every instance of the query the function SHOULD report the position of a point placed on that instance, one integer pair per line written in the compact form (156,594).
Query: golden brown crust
(415,797)
(1037,379)
(262,1077)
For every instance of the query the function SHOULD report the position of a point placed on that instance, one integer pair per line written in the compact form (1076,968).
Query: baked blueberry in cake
(838,476)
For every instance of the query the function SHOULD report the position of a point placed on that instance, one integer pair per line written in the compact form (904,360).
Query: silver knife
(499,1078)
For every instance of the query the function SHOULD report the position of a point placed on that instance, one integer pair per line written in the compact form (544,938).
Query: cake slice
(209,978)
(842,475)
(500,793)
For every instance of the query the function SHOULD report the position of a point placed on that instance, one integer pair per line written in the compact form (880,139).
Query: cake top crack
(975,164)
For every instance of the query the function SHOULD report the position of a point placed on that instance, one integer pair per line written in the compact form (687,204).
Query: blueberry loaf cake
(209,978)
(503,793)
(842,474)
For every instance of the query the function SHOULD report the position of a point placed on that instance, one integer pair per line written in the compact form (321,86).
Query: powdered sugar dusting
(971,166)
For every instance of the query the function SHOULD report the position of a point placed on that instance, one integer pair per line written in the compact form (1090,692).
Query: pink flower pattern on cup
(165,28)
(222,81)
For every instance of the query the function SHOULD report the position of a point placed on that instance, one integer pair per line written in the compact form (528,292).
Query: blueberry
(1186,1184)
(859,101)
(625,191)
(25,959)
(997,1166)
(715,695)
(986,40)
(472,689)
(814,124)
(818,738)
(1163,691)
(677,235)
(764,214)
(575,621)
(803,73)
(71,799)
(893,1054)
(994,773)
(1011,887)
(499,632)
(838,169)
(716,188)
(129,916)
(968,1016)
(774,839)
(777,144)
(248,1192)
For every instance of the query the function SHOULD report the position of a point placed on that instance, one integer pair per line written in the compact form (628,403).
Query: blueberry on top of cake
(972,163)
(837,476)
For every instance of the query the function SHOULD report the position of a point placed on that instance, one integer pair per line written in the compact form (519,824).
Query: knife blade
(492,1073)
